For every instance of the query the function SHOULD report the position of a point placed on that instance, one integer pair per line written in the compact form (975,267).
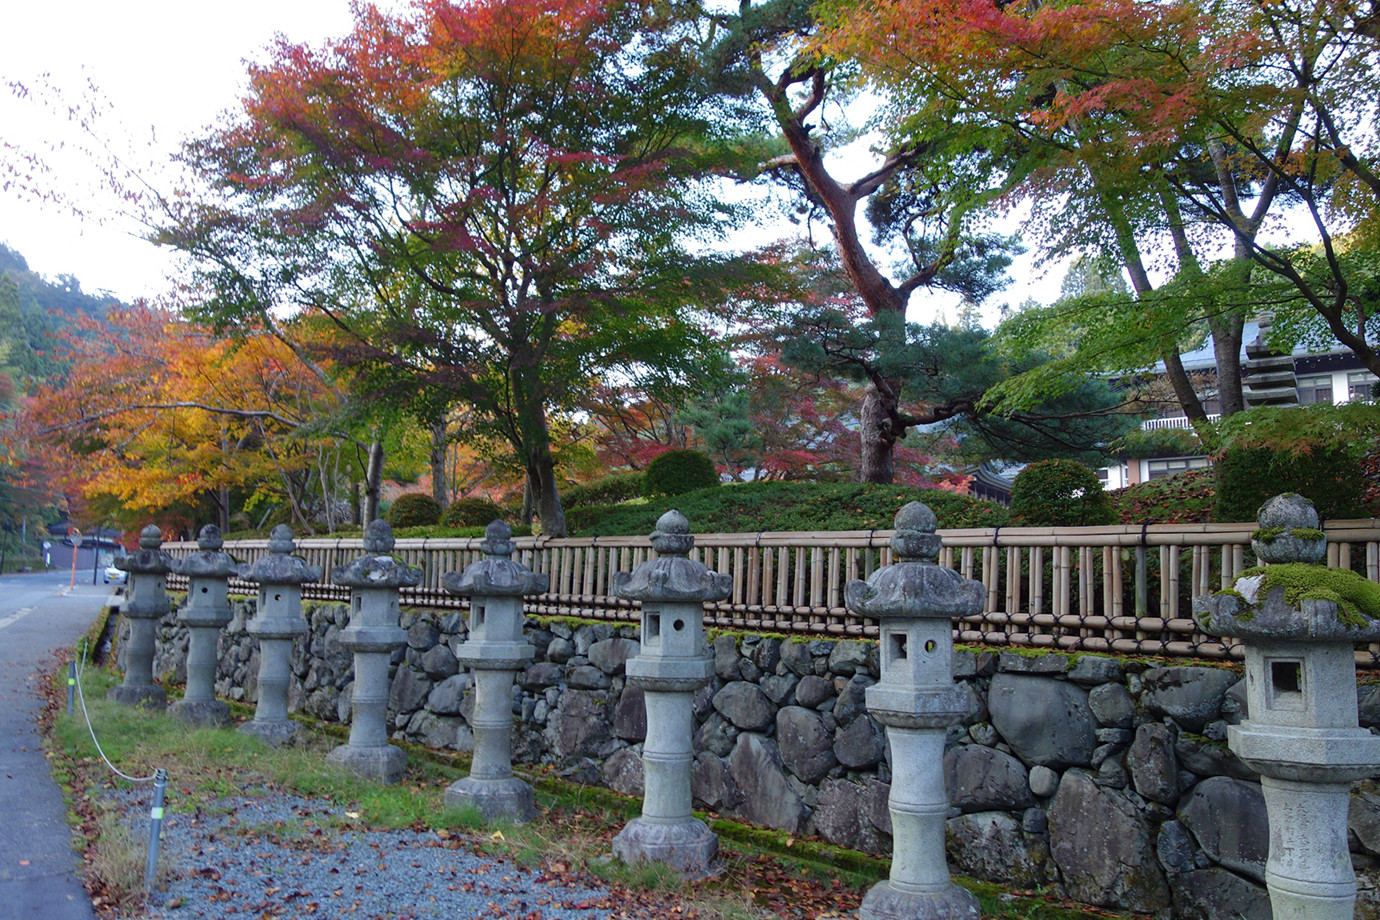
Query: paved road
(38,613)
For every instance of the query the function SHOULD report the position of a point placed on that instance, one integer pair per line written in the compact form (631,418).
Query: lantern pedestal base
(687,846)
(887,902)
(201,713)
(148,696)
(383,764)
(509,798)
(273,734)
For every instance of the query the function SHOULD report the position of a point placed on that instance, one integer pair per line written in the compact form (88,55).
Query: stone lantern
(915,602)
(1301,735)
(496,650)
(204,613)
(276,623)
(670,666)
(374,580)
(146,600)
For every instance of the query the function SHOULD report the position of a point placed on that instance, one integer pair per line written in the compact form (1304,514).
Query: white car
(114,575)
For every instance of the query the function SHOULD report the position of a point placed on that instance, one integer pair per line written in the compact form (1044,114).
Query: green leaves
(489,204)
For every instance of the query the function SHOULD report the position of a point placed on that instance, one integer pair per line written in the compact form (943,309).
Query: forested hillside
(32,310)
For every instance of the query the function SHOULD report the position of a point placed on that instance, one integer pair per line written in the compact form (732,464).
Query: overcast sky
(168,70)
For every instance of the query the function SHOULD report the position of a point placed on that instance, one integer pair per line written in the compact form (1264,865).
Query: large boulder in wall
(1103,847)
(1046,721)
(768,797)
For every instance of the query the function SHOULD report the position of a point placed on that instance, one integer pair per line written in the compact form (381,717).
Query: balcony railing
(1122,588)
(1179,421)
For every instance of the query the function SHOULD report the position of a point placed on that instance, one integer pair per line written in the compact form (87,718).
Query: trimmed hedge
(1059,493)
(471,512)
(677,472)
(414,509)
(1247,476)
(786,506)
(438,532)
(610,490)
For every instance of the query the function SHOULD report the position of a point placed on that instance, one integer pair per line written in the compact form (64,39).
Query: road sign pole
(75,536)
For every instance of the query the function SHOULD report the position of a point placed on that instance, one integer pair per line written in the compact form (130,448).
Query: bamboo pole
(989,576)
(1061,581)
(1085,581)
(835,572)
(1013,578)
(772,588)
(1111,567)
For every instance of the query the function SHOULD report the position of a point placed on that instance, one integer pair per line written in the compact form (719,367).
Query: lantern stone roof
(148,559)
(377,568)
(497,575)
(672,577)
(279,566)
(1293,597)
(209,561)
(915,586)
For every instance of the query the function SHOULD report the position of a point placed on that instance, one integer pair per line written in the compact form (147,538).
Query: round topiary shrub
(678,471)
(1060,493)
(471,512)
(414,509)
(610,490)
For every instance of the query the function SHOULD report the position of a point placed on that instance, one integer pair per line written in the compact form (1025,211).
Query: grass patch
(765,872)
(119,857)
(785,506)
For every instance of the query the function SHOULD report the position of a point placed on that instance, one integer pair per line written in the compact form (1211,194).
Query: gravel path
(284,857)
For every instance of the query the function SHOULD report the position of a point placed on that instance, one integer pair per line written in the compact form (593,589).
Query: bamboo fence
(1123,588)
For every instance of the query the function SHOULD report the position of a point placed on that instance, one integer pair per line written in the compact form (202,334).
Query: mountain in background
(33,310)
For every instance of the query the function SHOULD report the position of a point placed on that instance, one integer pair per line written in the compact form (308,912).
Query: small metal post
(71,684)
(160,785)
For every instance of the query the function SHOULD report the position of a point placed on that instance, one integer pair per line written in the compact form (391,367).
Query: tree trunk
(373,482)
(223,508)
(223,493)
(1226,327)
(881,428)
(528,491)
(878,435)
(440,489)
(1140,283)
(541,469)
(1226,347)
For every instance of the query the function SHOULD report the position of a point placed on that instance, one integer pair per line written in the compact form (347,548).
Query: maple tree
(636,424)
(1166,126)
(157,421)
(490,201)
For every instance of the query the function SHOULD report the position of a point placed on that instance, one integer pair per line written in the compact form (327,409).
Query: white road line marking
(15,617)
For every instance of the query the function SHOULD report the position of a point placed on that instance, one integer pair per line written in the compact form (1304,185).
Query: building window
(1315,389)
(1169,466)
(1359,385)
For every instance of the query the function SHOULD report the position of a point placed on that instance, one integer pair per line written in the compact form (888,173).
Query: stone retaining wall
(1107,777)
